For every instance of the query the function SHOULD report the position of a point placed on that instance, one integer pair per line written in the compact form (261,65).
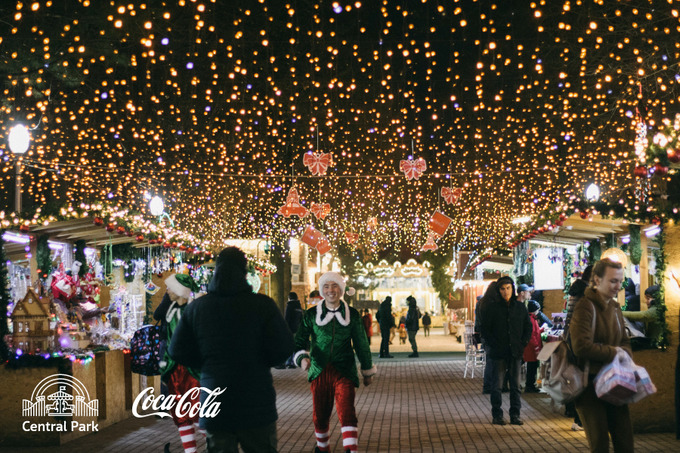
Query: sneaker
(415,354)
(576,427)
(498,421)
(516,421)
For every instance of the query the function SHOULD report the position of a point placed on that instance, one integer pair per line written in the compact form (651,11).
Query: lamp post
(19,139)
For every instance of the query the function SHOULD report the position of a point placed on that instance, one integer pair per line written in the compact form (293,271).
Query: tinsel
(4,300)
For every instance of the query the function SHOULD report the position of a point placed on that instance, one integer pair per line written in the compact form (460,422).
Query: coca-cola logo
(164,405)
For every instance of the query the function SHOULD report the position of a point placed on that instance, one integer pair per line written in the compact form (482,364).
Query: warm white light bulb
(19,138)
(593,192)
(156,206)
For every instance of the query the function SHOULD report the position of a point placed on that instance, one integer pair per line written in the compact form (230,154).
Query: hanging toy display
(293,206)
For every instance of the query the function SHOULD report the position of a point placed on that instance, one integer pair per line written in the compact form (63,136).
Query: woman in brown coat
(601,419)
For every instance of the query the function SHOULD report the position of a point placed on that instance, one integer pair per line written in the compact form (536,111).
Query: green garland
(4,300)
(80,256)
(594,251)
(568,270)
(664,338)
(440,280)
(634,246)
(43,257)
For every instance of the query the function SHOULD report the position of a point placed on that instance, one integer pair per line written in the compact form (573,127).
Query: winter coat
(368,324)
(412,317)
(293,315)
(427,320)
(169,313)
(599,347)
(651,317)
(505,328)
(234,337)
(331,338)
(535,343)
(384,315)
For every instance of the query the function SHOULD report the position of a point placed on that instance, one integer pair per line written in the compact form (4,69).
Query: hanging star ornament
(317,163)
(430,244)
(450,195)
(293,206)
(413,169)
(320,210)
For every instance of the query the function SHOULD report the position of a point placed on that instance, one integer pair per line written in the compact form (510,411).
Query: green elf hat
(182,285)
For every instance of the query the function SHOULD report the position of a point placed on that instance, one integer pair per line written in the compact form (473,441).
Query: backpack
(566,381)
(146,350)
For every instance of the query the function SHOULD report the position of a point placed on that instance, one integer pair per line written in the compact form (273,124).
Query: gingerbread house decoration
(31,322)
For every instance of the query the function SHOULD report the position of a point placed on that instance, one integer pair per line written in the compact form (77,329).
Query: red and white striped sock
(322,441)
(350,438)
(186,433)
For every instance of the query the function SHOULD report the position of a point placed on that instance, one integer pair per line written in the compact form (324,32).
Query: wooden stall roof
(71,231)
(576,230)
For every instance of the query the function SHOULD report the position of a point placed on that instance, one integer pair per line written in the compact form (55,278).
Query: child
(402,333)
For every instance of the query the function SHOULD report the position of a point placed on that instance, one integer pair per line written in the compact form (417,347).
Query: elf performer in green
(328,337)
(178,378)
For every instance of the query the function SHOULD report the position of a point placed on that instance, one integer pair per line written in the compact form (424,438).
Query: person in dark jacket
(412,324)
(293,317)
(386,323)
(427,322)
(506,330)
(234,337)
(489,294)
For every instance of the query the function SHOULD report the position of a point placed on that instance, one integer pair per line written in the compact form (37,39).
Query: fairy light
(214,115)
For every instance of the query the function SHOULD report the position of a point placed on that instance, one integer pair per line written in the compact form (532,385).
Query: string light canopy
(213,105)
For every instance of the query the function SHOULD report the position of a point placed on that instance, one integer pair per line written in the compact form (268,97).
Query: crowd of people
(230,329)
(510,325)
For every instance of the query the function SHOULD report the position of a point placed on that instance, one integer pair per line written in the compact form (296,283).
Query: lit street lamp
(19,139)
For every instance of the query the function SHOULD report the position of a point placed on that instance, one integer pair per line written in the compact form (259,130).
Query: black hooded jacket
(384,315)
(505,327)
(234,337)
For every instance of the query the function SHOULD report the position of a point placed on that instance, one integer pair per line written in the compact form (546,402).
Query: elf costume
(179,378)
(330,338)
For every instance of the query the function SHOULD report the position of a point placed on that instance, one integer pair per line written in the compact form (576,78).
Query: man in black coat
(506,330)
(234,337)
(293,317)
(386,322)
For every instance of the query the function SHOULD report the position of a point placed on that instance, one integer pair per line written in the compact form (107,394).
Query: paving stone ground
(414,405)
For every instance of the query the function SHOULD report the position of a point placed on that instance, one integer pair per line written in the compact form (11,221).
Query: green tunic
(172,317)
(332,338)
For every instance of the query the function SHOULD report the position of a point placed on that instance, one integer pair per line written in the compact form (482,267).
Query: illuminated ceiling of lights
(212,105)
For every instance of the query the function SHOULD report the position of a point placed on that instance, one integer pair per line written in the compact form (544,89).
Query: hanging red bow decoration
(351,237)
(413,168)
(451,196)
(293,206)
(317,163)
(430,243)
(320,210)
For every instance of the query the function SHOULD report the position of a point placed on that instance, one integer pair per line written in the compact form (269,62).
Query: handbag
(566,380)
(147,348)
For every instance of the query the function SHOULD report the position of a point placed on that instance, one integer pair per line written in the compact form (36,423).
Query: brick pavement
(415,405)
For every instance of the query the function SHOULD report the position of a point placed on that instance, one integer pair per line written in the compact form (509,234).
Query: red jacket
(535,344)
